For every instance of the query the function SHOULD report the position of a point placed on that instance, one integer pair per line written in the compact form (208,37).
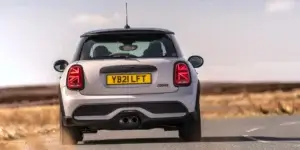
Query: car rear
(130,85)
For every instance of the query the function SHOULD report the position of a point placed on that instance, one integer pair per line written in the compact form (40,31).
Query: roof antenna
(126,26)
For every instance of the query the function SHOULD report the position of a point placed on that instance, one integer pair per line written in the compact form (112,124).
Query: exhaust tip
(124,120)
(135,119)
(132,121)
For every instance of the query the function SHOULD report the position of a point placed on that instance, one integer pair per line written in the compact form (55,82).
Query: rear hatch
(128,76)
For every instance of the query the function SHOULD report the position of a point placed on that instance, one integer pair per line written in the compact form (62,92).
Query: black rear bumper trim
(153,107)
(113,124)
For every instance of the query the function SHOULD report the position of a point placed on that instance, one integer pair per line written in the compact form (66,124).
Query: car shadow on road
(134,141)
(204,139)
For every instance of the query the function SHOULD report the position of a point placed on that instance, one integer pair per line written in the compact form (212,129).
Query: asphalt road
(268,133)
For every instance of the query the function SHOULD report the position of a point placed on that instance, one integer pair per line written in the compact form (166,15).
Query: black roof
(130,30)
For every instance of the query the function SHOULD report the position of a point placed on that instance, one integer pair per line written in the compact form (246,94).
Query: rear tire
(69,135)
(190,131)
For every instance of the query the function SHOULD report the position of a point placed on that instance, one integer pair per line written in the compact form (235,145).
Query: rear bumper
(106,107)
(113,123)
(146,107)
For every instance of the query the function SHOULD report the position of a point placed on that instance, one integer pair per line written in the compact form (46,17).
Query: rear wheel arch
(61,104)
(198,99)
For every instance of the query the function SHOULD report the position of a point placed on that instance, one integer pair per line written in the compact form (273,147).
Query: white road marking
(253,129)
(289,123)
(259,128)
(255,139)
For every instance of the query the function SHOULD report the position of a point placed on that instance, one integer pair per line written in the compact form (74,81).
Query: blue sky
(240,40)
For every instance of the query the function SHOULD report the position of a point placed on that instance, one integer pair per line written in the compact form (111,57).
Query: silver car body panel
(95,91)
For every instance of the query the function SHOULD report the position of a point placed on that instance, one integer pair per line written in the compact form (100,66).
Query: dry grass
(27,123)
(31,143)
(20,122)
(252,104)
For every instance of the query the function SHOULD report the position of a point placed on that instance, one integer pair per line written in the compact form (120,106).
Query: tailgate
(114,77)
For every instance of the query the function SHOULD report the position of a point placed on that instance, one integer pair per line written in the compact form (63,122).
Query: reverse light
(182,76)
(75,78)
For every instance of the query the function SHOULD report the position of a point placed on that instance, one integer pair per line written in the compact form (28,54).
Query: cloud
(95,19)
(273,6)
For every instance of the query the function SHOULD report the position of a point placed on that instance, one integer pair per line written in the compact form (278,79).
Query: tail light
(75,78)
(182,76)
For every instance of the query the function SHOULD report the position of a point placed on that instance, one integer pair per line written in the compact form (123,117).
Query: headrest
(154,49)
(101,51)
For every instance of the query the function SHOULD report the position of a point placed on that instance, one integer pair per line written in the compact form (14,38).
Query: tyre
(190,131)
(69,135)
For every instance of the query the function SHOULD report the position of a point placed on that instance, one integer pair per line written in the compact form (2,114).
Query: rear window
(114,46)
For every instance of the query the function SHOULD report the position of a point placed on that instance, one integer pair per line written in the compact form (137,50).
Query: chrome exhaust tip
(124,120)
(134,119)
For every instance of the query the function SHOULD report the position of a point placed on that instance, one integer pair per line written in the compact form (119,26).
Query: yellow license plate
(123,79)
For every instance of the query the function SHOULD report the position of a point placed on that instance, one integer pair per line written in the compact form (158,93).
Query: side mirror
(196,61)
(60,65)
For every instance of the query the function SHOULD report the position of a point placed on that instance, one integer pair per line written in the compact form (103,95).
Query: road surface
(274,133)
